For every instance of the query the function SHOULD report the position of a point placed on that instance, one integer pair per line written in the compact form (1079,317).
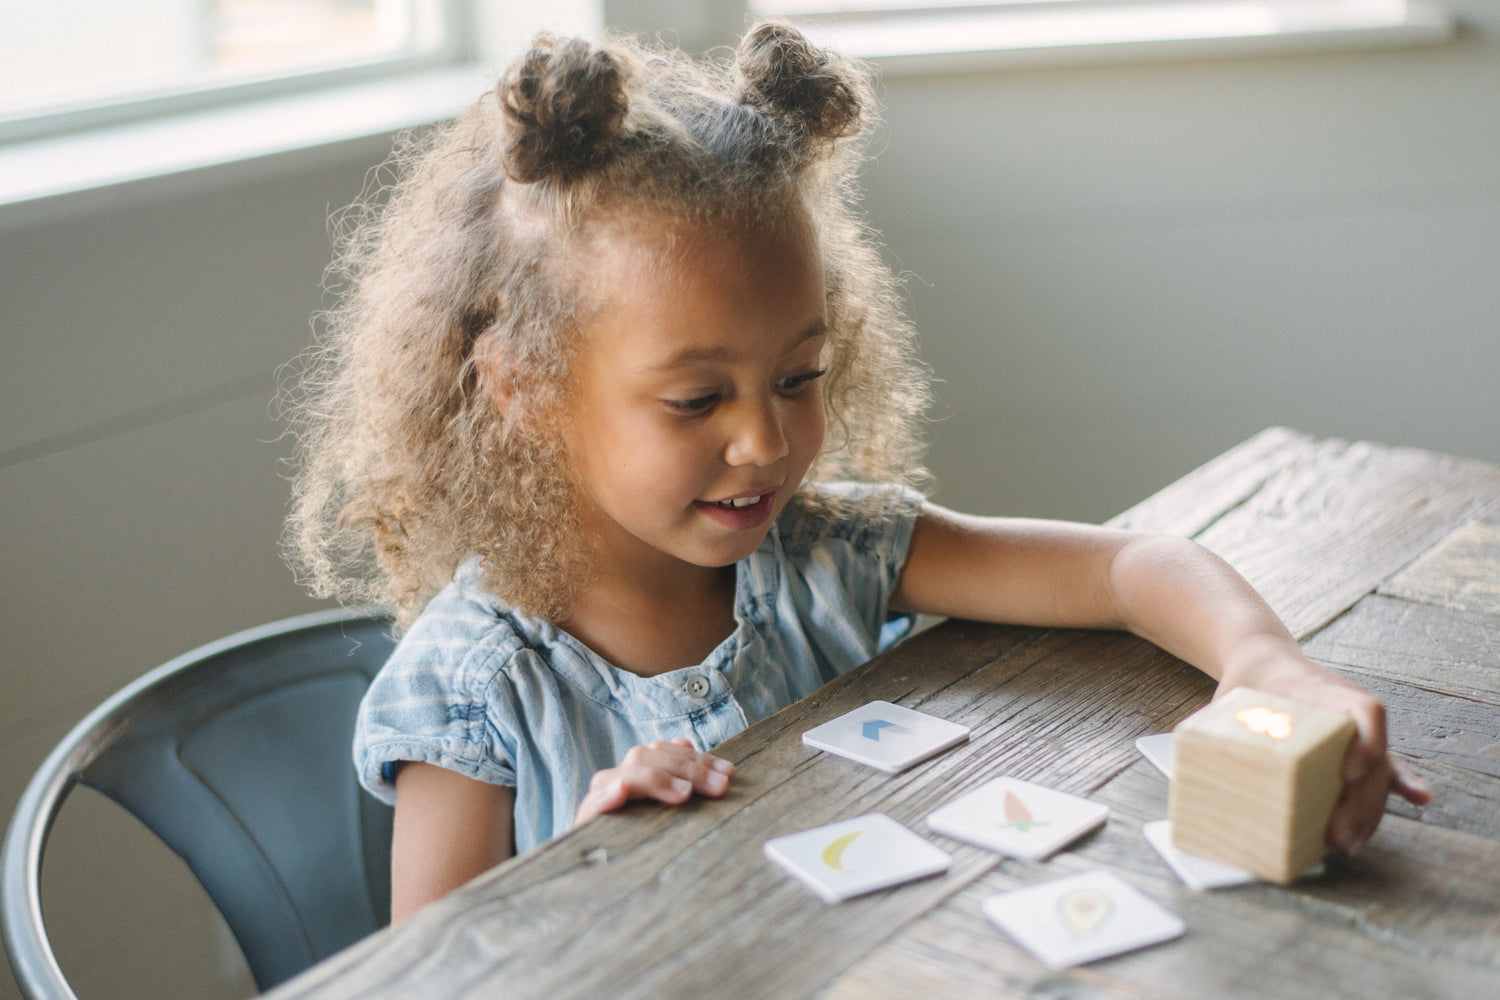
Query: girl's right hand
(668,772)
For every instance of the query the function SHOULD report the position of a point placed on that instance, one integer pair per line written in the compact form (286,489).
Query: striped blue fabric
(512,700)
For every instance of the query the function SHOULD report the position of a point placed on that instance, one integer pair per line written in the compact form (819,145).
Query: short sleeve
(431,702)
(850,561)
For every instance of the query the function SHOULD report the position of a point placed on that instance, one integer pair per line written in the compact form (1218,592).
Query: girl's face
(695,406)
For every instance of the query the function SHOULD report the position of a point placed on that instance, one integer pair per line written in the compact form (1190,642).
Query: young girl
(619,412)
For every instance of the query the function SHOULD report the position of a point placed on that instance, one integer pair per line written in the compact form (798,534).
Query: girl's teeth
(738,502)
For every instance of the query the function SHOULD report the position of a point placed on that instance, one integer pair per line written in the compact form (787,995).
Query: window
(66,64)
(922,34)
(102,101)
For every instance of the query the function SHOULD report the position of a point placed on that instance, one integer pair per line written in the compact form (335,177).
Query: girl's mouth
(740,513)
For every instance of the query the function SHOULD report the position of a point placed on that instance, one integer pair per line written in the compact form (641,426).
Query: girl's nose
(756,436)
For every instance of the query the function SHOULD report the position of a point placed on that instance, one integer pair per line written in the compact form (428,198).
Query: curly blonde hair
(454,293)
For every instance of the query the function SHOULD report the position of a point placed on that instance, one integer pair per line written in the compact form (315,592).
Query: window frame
(971,35)
(147,102)
(142,151)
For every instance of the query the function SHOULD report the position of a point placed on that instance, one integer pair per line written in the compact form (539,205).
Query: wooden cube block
(1255,780)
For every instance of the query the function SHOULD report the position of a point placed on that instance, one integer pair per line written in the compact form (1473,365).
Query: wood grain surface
(652,902)
(1460,573)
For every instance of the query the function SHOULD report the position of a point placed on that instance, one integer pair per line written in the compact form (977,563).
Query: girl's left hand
(1370,773)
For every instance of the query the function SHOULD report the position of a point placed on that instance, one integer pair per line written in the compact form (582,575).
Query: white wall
(142,497)
(1119,272)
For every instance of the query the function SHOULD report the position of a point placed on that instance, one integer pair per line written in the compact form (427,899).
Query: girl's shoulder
(434,699)
(462,639)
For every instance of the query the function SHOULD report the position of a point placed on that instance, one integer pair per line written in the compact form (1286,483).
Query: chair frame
(35,966)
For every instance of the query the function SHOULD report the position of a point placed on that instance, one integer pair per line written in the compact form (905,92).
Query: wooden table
(1386,562)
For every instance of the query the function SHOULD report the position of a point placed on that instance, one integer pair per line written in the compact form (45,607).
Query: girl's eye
(794,382)
(698,405)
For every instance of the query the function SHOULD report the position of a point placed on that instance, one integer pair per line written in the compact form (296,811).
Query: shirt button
(697,686)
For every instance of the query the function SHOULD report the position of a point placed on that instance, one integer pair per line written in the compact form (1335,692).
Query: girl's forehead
(665,266)
(673,286)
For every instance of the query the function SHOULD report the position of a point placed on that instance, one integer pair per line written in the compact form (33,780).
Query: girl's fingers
(1358,813)
(1367,778)
(1370,775)
(665,771)
(1363,804)
(607,797)
(703,772)
(1409,785)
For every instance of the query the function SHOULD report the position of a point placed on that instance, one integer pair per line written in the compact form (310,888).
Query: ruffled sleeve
(844,568)
(435,700)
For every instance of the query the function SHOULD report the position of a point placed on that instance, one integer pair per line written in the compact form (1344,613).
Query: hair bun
(783,74)
(564,103)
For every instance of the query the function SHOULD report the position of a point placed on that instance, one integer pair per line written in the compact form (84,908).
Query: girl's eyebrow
(701,355)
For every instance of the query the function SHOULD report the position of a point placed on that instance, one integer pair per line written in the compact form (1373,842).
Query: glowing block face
(1260,719)
(1256,779)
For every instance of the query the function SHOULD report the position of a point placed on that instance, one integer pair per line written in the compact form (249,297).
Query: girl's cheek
(816,425)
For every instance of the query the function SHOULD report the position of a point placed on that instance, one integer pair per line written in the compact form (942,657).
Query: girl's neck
(650,630)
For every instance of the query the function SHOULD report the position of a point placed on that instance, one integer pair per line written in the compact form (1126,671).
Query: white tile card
(1081,918)
(1018,818)
(1158,750)
(886,736)
(1197,873)
(1201,874)
(855,856)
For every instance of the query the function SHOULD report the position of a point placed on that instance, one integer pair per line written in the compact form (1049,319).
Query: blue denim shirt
(497,696)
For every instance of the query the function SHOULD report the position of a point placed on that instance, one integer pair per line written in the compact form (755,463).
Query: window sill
(959,41)
(44,179)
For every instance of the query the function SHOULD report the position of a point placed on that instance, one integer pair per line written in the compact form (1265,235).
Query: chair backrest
(237,755)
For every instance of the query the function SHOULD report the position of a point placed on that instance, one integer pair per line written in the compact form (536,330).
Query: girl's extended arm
(449,828)
(1169,590)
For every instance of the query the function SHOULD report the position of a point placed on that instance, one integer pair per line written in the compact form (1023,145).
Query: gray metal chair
(237,756)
